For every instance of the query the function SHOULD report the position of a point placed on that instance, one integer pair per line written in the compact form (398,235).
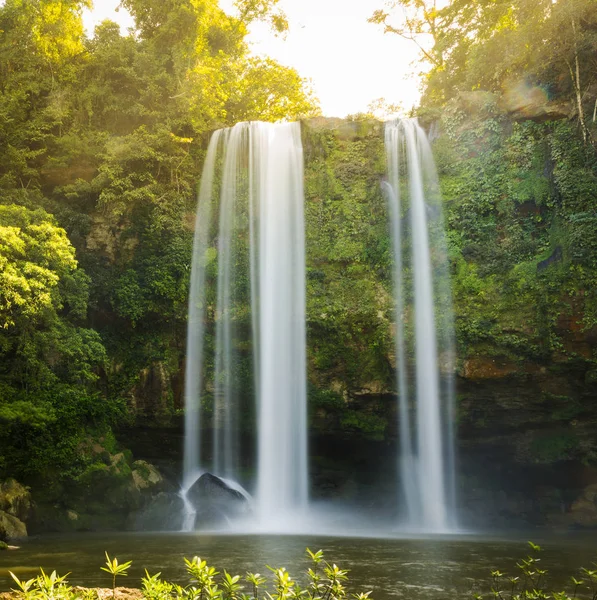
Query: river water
(425,567)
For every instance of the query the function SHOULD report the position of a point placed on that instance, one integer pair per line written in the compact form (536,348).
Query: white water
(197,314)
(261,186)
(282,461)
(225,412)
(426,461)
(250,217)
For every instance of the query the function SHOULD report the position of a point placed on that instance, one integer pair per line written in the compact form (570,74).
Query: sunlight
(350,62)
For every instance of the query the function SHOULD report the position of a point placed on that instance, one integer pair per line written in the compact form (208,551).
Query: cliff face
(525,328)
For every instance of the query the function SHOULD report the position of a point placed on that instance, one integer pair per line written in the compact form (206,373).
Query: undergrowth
(325,581)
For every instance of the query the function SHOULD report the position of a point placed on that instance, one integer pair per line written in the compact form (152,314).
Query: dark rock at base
(215,502)
(109,496)
(163,513)
(583,511)
(57,519)
(211,489)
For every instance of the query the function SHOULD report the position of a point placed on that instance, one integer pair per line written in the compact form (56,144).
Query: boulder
(119,464)
(583,511)
(72,516)
(146,476)
(216,503)
(11,528)
(15,499)
(163,513)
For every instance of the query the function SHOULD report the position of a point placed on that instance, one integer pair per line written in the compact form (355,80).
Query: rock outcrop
(15,499)
(583,511)
(11,528)
(216,503)
(15,510)
(108,495)
(164,512)
(146,476)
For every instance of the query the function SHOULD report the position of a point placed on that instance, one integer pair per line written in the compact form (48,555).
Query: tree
(49,363)
(420,19)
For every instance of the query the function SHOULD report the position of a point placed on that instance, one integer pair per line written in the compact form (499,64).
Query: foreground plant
(531,582)
(115,568)
(43,586)
(325,582)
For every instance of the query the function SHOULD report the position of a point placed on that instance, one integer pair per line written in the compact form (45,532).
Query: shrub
(325,581)
(530,582)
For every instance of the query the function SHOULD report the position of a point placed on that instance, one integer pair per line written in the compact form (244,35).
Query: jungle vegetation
(101,146)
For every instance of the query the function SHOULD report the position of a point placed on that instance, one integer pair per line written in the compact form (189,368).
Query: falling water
(225,411)
(259,189)
(426,461)
(196,318)
(282,463)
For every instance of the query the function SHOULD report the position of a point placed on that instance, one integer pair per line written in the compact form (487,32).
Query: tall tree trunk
(575,76)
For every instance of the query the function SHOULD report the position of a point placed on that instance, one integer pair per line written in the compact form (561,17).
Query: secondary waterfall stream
(426,457)
(253,174)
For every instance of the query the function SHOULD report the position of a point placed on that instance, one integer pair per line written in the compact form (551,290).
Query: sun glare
(351,63)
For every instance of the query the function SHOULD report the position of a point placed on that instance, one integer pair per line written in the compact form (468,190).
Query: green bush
(530,582)
(325,581)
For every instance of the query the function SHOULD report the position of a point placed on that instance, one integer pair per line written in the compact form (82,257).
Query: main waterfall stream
(253,174)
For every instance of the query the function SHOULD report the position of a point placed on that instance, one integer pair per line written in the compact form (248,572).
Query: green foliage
(35,256)
(531,582)
(325,582)
(510,195)
(347,255)
(115,569)
(45,586)
(101,144)
(554,447)
(50,363)
(373,426)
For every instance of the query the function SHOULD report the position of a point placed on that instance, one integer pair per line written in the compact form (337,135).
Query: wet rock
(15,499)
(164,512)
(5,546)
(120,593)
(215,502)
(583,511)
(119,464)
(146,476)
(488,368)
(11,528)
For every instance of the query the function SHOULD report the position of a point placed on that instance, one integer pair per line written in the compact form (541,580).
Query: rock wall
(526,407)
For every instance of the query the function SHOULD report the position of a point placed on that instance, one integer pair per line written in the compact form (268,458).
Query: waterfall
(196,319)
(424,328)
(250,216)
(282,455)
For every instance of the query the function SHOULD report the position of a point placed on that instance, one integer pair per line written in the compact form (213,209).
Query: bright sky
(350,62)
